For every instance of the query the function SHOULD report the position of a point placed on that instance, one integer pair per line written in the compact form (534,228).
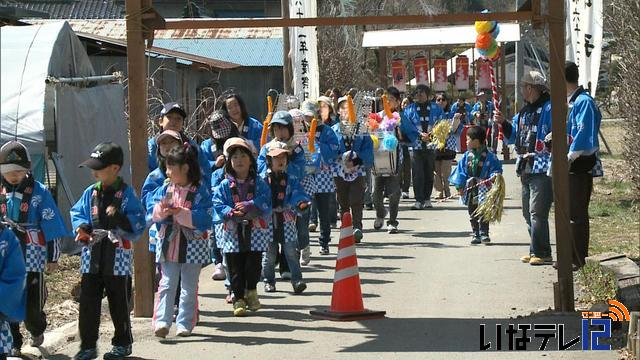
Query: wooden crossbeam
(462,18)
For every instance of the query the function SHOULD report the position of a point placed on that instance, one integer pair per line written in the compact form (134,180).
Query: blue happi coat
(154,181)
(326,152)
(43,222)
(294,195)
(295,167)
(196,245)
(423,123)
(454,109)
(131,207)
(464,176)
(527,132)
(152,147)
(362,147)
(223,204)
(476,109)
(583,126)
(252,131)
(12,277)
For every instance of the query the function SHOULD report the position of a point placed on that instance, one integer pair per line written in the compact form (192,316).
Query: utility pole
(563,289)
(137,97)
(519,61)
(286,49)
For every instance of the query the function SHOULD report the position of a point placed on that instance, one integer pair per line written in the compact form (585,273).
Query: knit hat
(297,115)
(309,108)
(221,125)
(14,156)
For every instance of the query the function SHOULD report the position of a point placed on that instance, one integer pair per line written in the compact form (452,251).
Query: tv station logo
(595,327)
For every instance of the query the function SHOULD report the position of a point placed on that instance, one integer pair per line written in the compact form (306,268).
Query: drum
(385,163)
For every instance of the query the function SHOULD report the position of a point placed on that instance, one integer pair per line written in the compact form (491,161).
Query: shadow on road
(442,234)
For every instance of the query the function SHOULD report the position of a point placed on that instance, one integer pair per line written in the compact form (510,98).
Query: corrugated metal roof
(116,29)
(175,53)
(246,52)
(72,9)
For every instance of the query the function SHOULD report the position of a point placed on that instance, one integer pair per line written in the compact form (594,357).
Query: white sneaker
(219,273)
(405,195)
(392,229)
(305,256)
(427,204)
(183,333)
(417,206)
(377,223)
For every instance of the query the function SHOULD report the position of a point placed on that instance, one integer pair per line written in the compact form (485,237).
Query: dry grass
(61,307)
(614,204)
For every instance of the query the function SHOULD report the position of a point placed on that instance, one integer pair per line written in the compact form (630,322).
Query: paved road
(436,288)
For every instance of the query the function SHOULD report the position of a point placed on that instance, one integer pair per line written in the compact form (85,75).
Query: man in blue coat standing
(583,126)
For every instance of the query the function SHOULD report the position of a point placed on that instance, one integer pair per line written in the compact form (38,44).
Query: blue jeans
(186,277)
(269,261)
(331,208)
(302,224)
(322,202)
(537,196)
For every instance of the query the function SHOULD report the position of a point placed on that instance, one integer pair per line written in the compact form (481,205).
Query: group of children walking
(227,201)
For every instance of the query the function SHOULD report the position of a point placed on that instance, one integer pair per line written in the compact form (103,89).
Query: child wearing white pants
(188,309)
(181,210)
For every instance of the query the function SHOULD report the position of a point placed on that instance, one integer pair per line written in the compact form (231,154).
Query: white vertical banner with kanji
(304,51)
(584,28)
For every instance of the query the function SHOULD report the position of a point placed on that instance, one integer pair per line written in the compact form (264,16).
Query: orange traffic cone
(346,298)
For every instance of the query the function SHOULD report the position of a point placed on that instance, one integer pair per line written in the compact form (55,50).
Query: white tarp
(72,119)
(304,51)
(584,44)
(84,118)
(28,55)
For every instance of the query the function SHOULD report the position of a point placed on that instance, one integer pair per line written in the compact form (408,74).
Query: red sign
(440,75)
(399,73)
(483,74)
(421,69)
(462,73)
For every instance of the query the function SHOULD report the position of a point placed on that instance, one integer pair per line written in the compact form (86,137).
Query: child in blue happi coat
(12,288)
(287,198)
(39,227)
(107,219)
(281,130)
(326,152)
(173,117)
(222,129)
(242,203)
(181,210)
(472,178)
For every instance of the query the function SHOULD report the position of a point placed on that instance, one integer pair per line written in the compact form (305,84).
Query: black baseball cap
(103,155)
(14,156)
(173,107)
